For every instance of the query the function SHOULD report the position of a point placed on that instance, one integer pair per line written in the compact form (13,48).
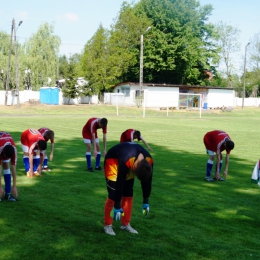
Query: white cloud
(71,17)
(23,15)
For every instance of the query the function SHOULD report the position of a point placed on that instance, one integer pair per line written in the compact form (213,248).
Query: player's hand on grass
(1,192)
(225,174)
(14,191)
(39,168)
(217,176)
(116,213)
(145,209)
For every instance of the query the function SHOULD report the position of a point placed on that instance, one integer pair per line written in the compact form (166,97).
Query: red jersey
(30,138)
(128,136)
(43,130)
(91,127)
(6,139)
(214,141)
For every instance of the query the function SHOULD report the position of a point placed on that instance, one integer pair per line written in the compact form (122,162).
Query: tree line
(181,47)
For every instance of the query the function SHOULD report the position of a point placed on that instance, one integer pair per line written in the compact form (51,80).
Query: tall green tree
(94,61)
(4,53)
(42,52)
(253,62)
(69,89)
(124,43)
(179,48)
(63,66)
(226,39)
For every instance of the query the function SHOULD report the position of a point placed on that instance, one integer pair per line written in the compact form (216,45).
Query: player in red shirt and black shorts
(216,142)
(47,134)
(122,163)
(89,134)
(8,153)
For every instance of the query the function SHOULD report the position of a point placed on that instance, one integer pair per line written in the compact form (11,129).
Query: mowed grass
(60,216)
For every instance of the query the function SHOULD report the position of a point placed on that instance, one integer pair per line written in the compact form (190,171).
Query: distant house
(169,95)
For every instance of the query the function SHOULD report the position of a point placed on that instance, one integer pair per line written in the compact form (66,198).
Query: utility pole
(17,66)
(9,65)
(244,81)
(141,63)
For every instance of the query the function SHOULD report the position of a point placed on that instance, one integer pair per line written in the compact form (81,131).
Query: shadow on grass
(60,216)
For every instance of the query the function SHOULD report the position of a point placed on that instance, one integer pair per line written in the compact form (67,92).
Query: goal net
(172,104)
(157,104)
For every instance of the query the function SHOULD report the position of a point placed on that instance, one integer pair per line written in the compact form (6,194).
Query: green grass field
(60,216)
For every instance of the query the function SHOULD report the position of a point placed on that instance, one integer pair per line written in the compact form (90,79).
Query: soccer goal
(172,104)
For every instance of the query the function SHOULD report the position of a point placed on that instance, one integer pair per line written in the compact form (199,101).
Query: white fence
(248,102)
(113,99)
(27,95)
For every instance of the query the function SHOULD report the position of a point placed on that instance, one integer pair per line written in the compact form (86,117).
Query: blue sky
(76,21)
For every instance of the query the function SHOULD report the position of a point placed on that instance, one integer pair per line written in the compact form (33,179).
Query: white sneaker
(109,230)
(128,228)
(46,169)
(209,179)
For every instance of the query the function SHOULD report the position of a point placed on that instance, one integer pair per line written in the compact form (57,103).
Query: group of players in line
(122,163)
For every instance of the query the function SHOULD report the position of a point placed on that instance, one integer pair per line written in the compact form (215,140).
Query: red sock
(109,204)
(127,204)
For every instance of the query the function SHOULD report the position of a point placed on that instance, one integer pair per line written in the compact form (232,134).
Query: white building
(167,95)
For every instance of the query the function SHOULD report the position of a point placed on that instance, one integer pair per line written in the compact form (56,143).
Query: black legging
(127,189)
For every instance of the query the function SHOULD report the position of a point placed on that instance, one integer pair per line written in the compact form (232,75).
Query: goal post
(172,103)
(190,101)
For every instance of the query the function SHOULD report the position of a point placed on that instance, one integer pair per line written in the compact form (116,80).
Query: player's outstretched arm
(148,147)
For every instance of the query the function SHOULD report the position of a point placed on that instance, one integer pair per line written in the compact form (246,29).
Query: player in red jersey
(130,134)
(8,153)
(89,133)
(47,135)
(33,144)
(216,142)
(122,163)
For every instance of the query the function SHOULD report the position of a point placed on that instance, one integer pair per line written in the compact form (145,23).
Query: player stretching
(215,142)
(130,134)
(48,135)
(8,152)
(33,144)
(123,162)
(89,133)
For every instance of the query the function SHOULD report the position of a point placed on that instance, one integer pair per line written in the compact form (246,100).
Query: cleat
(109,230)
(90,169)
(37,174)
(98,168)
(10,197)
(220,179)
(46,169)
(209,179)
(128,228)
